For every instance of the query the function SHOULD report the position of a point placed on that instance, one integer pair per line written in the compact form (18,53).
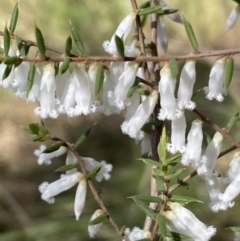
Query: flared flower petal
(234,168)
(232,19)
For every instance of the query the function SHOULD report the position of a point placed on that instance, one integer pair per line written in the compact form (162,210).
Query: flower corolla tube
(94,229)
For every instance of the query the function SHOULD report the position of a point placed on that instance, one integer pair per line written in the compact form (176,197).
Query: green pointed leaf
(82,138)
(232,122)
(173,67)
(6,41)
(147,127)
(122,230)
(228,72)
(162,229)
(1,50)
(133,88)
(40,41)
(39,138)
(56,68)
(120,47)
(167,11)
(237,1)
(99,79)
(149,10)
(145,209)
(145,5)
(23,48)
(190,34)
(234,228)
(34,128)
(176,173)
(78,41)
(173,159)
(162,151)
(150,162)
(14,18)
(158,172)
(98,220)
(66,167)
(12,61)
(68,46)
(31,75)
(65,65)
(7,71)
(93,172)
(148,199)
(143,92)
(183,199)
(53,147)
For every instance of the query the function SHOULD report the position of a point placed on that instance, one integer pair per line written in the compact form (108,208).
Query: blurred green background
(23,215)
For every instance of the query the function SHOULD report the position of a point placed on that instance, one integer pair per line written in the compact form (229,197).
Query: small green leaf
(98,220)
(65,65)
(237,1)
(120,47)
(228,72)
(66,167)
(12,61)
(162,151)
(173,159)
(34,128)
(93,172)
(56,68)
(78,41)
(234,228)
(176,173)
(149,10)
(30,79)
(23,48)
(68,45)
(82,138)
(232,122)
(40,41)
(7,71)
(190,34)
(145,209)
(6,41)
(158,172)
(53,147)
(167,11)
(162,229)
(99,79)
(133,88)
(148,126)
(143,92)
(145,5)
(39,138)
(150,162)
(208,137)
(173,67)
(183,199)
(14,18)
(148,199)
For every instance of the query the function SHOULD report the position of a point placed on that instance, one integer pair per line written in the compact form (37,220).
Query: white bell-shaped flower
(45,158)
(132,104)
(94,229)
(133,126)
(80,196)
(198,229)
(126,80)
(177,136)
(233,16)
(194,145)
(231,191)
(185,89)
(162,37)
(104,172)
(234,168)
(48,191)
(215,89)
(47,94)
(167,99)
(137,234)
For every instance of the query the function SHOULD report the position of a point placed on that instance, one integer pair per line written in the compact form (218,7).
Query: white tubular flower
(236,236)
(64,183)
(45,158)
(194,145)
(167,99)
(71,159)
(94,229)
(234,168)
(132,104)
(214,190)
(212,152)
(177,136)
(106,168)
(215,89)
(176,17)
(162,37)
(185,89)
(80,196)
(231,191)
(137,234)
(47,94)
(124,31)
(133,126)
(146,144)
(232,18)
(126,80)
(198,229)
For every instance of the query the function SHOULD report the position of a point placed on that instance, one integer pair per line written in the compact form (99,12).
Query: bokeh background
(23,215)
